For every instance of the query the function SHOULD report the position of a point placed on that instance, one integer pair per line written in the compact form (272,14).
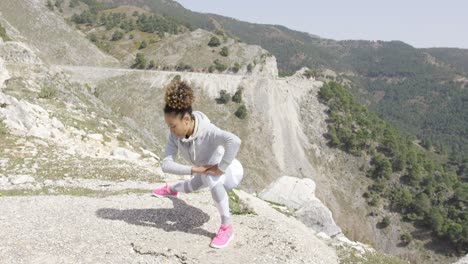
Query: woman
(211,150)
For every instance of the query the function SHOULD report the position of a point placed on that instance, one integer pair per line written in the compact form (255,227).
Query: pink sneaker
(164,192)
(223,237)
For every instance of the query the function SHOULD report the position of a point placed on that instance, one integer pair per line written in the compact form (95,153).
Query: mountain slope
(48,35)
(387,76)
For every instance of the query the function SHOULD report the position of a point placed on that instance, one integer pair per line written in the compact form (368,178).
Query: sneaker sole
(225,245)
(157,195)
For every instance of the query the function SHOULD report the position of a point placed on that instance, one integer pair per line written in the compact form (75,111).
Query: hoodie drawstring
(194,151)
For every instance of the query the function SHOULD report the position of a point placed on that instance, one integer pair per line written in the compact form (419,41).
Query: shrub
(47,92)
(241,112)
(151,64)
(385,222)
(3,34)
(143,45)
(73,3)
(235,68)
(219,66)
(237,97)
(406,238)
(93,38)
(224,52)
(214,42)
(140,61)
(3,128)
(223,98)
(117,35)
(50,5)
(310,73)
(237,206)
(249,68)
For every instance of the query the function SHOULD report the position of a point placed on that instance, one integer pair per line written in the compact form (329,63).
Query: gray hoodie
(207,145)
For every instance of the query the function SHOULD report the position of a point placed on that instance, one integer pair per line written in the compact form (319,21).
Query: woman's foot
(223,237)
(164,192)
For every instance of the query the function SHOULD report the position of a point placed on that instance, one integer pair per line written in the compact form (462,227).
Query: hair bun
(179,95)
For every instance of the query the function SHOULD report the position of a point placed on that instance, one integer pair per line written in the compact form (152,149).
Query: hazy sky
(420,23)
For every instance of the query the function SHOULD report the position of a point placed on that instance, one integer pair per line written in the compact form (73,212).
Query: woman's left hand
(215,171)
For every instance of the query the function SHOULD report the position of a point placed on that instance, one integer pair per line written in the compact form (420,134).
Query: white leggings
(218,186)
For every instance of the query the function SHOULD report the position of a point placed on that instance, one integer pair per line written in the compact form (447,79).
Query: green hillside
(420,91)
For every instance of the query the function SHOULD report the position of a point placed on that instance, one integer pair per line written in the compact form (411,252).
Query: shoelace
(167,189)
(222,230)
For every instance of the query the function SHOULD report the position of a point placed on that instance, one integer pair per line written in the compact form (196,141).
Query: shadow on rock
(182,217)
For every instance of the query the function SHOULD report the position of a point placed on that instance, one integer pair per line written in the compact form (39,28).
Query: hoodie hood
(201,122)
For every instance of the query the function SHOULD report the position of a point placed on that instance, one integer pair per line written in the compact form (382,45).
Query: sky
(420,23)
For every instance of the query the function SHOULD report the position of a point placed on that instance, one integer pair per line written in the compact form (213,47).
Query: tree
(117,35)
(214,42)
(422,204)
(334,140)
(436,220)
(454,230)
(140,61)
(402,198)
(382,168)
(310,73)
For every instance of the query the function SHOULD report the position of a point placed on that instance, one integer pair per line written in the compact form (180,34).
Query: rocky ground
(139,228)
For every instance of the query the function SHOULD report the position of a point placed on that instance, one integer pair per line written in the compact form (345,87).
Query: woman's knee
(234,175)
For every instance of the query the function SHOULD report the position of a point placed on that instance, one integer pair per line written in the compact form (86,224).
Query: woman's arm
(231,144)
(168,163)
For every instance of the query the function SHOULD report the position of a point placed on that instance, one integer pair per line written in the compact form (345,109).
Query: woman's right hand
(201,169)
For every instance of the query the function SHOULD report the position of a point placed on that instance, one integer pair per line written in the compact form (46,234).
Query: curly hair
(179,98)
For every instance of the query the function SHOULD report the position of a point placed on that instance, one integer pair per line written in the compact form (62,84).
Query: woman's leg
(187,186)
(218,186)
(234,175)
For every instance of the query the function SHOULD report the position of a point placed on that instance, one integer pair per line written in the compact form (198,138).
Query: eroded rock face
(18,52)
(299,194)
(3,72)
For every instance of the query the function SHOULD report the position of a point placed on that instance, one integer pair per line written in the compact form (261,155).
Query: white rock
(149,153)
(21,179)
(57,124)
(4,182)
(323,235)
(48,182)
(3,73)
(299,194)
(463,260)
(124,154)
(97,137)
